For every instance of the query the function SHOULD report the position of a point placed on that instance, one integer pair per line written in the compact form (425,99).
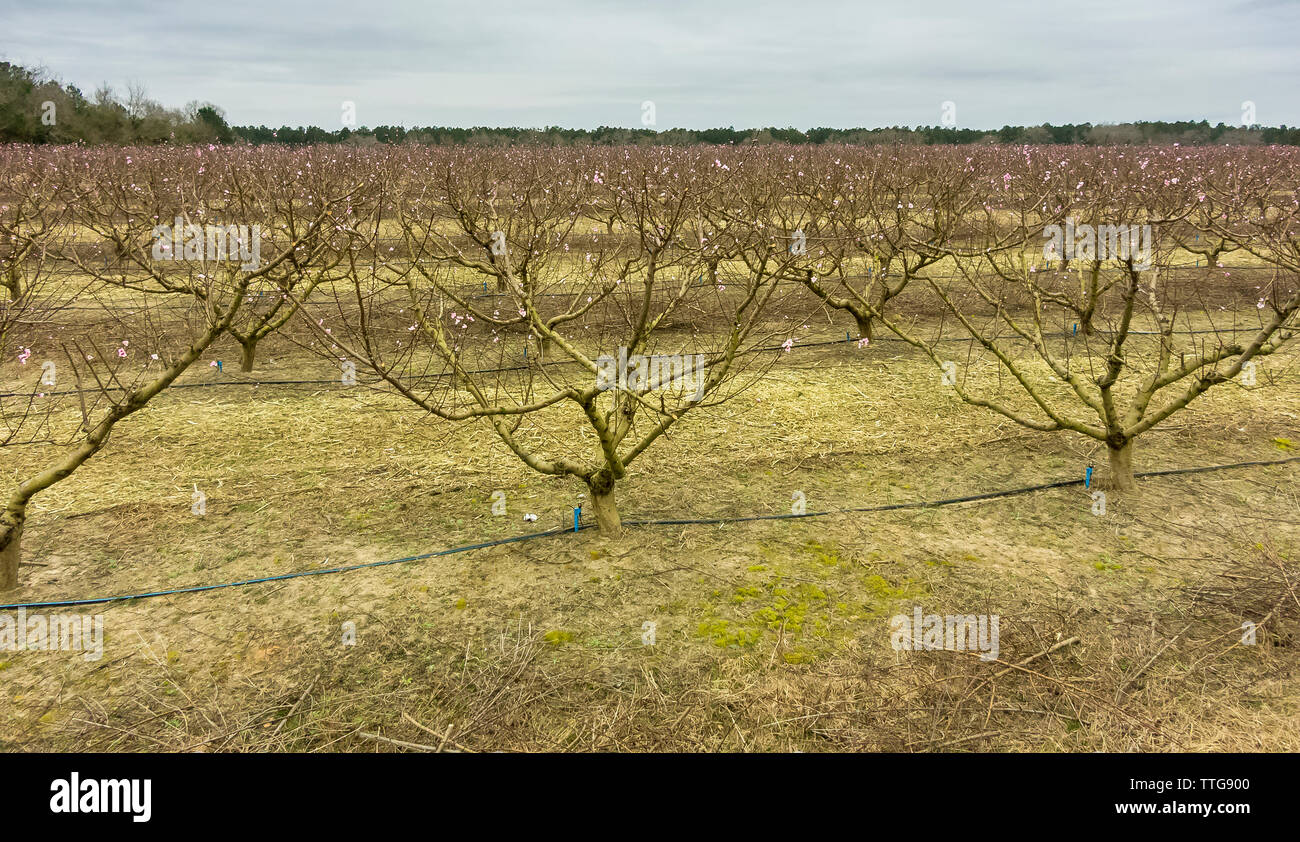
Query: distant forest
(37,108)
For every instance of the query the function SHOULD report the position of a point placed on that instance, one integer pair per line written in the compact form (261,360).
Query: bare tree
(501,249)
(117,199)
(877,221)
(33,209)
(1154,350)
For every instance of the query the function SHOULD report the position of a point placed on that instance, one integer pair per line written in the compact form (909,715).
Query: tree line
(107,117)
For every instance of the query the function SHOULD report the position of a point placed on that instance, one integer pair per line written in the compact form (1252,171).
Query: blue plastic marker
(1087,478)
(577,512)
(1076,328)
(218,365)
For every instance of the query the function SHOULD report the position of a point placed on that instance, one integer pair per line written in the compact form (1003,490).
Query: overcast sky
(704,63)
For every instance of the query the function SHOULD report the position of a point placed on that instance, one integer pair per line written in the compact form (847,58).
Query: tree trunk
(14,284)
(864,326)
(11,538)
(601,487)
(1121,466)
(247,356)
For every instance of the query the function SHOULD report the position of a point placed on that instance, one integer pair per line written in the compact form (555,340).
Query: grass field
(1118,632)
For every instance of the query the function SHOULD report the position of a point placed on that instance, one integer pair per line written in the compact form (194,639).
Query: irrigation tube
(525,367)
(380,381)
(924,504)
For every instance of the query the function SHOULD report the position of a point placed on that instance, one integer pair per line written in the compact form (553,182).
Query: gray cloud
(704,63)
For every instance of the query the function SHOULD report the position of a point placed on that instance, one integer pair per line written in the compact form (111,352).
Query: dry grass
(771,635)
